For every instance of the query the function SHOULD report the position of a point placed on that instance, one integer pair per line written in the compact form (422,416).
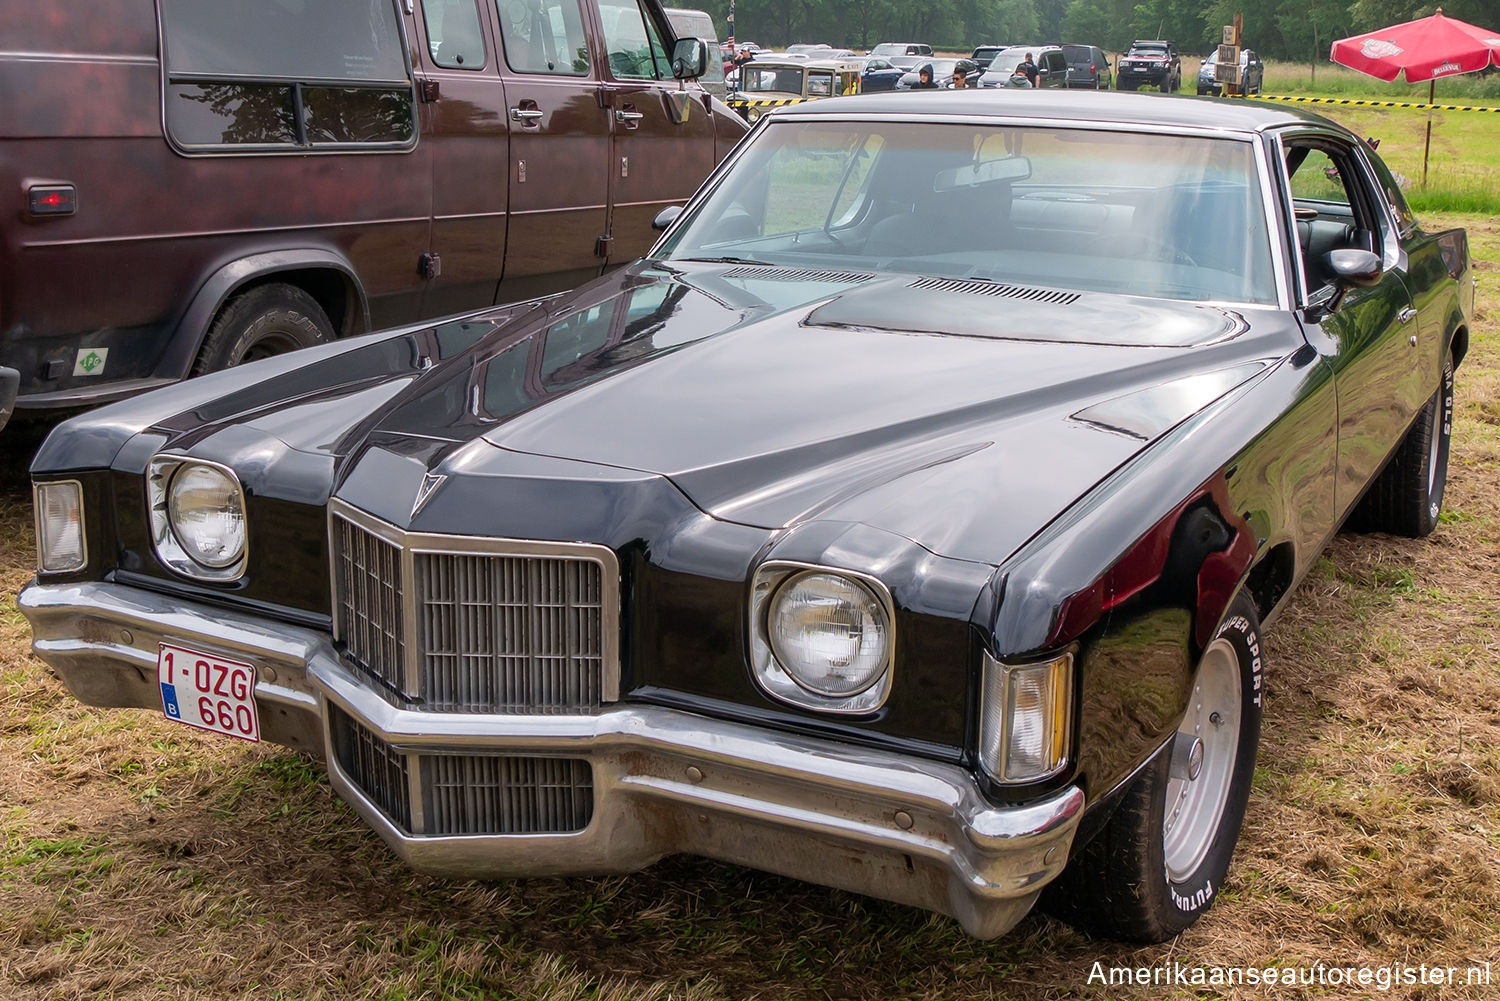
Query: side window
(635,47)
(285,76)
(544,36)
(1317,179)
(453,33)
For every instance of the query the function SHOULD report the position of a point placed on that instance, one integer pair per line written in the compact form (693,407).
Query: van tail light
(51,199)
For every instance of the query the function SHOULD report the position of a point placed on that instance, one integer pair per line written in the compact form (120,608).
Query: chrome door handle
(527,115)
(1406,315)
(629,117)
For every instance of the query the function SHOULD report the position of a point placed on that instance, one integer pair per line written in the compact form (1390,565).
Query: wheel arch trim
(237,275)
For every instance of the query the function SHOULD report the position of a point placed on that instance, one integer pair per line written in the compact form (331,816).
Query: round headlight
(752,114)
(829,633)
(207,515)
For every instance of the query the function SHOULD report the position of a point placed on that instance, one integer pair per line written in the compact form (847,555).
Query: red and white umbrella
(1424,49)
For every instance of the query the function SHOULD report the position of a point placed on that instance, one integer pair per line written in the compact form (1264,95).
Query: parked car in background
(688,23)
(880,73)
(984,53)
(1251,74)
(195,185)
(769,80)
(1151,62)
(942,73)
(929,568)
(888,49)
(1088,66)
(1052,66)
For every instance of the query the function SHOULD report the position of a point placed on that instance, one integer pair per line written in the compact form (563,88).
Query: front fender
(1138,573)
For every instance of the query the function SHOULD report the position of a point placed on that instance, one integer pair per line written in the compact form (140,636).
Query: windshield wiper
(726,260)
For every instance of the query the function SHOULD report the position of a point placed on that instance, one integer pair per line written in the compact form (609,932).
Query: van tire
(263,321)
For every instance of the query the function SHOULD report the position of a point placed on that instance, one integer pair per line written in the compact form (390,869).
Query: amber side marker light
(52,199)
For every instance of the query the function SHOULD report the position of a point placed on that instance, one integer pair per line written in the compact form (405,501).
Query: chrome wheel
(1204,752)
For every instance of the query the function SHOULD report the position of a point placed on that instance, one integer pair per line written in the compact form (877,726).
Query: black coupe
(906,522)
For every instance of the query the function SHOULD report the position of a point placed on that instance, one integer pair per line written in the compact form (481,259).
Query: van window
(285,74)
(635,47)
(453,33)
(544,36)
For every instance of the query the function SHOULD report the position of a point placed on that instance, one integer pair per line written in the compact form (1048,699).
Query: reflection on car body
(906,521)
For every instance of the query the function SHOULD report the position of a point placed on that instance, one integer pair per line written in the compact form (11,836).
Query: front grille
(494,626)
(374,766)
(462,793)
(469,794)
(510,634)
(368,590)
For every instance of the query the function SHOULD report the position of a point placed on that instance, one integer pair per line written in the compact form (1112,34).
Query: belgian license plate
(208,691)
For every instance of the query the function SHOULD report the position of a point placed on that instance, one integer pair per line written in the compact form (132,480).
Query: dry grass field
(140,860)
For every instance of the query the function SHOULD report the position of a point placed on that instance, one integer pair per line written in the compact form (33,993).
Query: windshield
(1006,62)
(764,78)
(1149,51)
(888,49)
(1179,217)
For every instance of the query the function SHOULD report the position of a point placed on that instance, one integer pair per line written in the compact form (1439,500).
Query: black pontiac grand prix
(906,522)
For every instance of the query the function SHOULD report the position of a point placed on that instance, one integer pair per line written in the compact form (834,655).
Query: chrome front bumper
(664,781)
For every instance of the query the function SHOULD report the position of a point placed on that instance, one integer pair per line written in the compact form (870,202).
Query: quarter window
(285,74)
(544,36)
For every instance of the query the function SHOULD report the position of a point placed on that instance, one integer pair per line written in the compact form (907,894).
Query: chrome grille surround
(472,624)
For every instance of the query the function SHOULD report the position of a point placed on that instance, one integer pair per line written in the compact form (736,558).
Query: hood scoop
(796,275)
(995,288)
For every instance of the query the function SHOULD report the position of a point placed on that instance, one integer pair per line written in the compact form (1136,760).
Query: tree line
(1299,30)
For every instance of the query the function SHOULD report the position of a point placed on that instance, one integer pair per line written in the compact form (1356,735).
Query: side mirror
(1350,268)
(666,217)
(689,59)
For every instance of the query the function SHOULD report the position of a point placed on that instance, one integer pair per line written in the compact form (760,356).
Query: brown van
(205,182)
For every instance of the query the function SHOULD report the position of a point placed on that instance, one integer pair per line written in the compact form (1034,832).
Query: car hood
(961,415)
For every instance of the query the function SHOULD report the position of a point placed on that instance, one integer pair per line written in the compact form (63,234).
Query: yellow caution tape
(1373,104)
(758,102)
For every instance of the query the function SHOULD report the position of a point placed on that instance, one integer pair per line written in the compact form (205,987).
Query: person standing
(960,81)
(1028,66)
(924,78)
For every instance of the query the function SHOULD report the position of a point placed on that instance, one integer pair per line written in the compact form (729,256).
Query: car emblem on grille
(430,483)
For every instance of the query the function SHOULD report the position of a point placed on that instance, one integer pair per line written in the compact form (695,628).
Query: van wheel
(264,321)
(1161,858)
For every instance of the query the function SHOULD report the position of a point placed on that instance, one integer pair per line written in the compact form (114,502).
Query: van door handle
(527,116)
(1406,315)
(629,119)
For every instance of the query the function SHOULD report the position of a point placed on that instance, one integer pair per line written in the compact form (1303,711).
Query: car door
(464,130)
(1054,68)
(1370,340)
(661,130)
(559,147)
